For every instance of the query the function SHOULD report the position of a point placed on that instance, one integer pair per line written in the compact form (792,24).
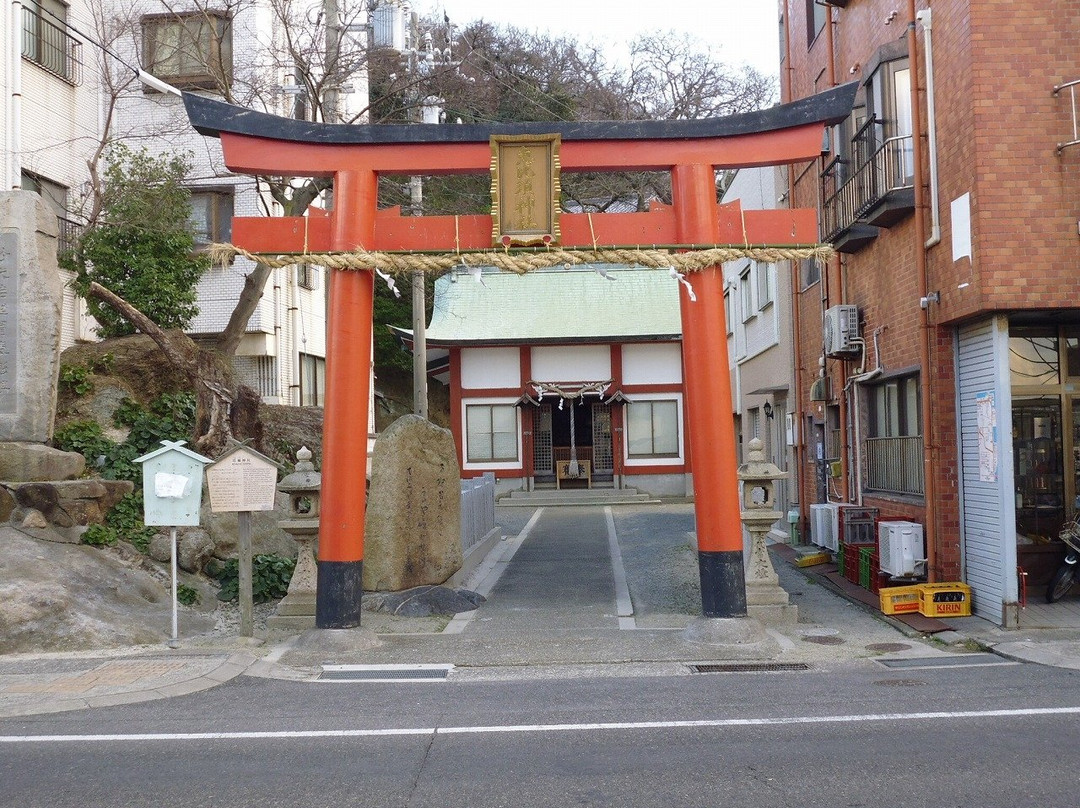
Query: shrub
(270,576)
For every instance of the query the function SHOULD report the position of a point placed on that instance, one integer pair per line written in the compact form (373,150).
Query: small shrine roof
(583,304)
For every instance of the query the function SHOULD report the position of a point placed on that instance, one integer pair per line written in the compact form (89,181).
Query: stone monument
(413,525)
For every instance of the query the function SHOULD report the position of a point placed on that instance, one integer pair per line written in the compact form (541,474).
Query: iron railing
(882,166)
(68,233)
(49,44)
(895,465)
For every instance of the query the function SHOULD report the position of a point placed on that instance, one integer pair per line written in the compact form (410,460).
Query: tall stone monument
(413,525)
(31,300)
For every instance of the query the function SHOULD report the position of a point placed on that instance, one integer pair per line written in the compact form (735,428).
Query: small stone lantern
(765,599)
(303,487)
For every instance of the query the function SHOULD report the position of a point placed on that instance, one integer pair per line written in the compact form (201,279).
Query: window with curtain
(189,50)
(211,216)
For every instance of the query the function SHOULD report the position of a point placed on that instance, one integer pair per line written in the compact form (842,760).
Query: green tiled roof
(555,305)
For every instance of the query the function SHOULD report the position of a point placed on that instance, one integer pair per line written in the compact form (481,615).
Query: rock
(194,549)
(423,601)
(40,496)
(413,524)
(7,503)
(34,519)
(68,597)
(160,548)
(266,536)
(35,462)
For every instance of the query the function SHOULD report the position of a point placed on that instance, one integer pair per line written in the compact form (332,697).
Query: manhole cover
(900,683)
(823,640)
(887,647)
(750,667)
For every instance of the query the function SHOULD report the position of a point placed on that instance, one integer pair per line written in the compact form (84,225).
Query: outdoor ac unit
(900,547)
(842,330)
(825,525)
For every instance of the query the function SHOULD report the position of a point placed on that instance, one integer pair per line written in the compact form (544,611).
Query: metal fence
(477,509)
(895,464)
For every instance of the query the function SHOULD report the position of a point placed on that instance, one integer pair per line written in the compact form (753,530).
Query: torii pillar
(355,156)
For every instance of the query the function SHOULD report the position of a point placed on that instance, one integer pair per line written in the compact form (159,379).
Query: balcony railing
(895,465)
(882,167)
(48,44)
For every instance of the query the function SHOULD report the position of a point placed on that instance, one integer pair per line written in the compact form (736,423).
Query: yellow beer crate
(945,600)
(900,599)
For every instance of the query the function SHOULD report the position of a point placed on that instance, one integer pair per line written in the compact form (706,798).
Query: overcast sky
(741,31)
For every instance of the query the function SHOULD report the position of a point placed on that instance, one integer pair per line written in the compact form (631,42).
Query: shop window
(1033,358)
(211,217)
(1037,458)
(894,448)
(653,428)
(189,50)
(312,380)
(491,433)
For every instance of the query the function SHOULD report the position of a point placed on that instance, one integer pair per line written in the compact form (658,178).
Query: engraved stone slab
(31,296)
(413,526)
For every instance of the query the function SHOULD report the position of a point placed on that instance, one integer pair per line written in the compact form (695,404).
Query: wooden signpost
(242,481)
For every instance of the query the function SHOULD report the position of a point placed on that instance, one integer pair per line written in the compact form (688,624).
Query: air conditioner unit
(825,525)
(901,550)
(842,331)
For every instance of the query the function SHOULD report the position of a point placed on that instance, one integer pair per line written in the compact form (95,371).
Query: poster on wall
(986,413)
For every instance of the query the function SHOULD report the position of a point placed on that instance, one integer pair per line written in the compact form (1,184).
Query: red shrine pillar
(708,402)
(348,367)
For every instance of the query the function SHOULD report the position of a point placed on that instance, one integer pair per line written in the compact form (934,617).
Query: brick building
(939,352)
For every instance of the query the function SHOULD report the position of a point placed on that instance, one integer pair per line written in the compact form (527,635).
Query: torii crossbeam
(355,157)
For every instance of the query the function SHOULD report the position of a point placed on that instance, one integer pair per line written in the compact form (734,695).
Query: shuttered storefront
(988,515)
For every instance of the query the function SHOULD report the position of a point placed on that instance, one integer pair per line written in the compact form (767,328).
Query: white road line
(490,571)
(523,728)
(623,605)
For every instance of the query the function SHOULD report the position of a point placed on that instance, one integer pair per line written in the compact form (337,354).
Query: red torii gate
(355,156)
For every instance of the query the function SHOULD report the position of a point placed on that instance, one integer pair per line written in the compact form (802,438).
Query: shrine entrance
(526,230)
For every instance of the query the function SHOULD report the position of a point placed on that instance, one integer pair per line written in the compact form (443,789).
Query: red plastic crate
(851,566)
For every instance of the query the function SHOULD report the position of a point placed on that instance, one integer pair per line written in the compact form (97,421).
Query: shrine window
(653,428)
(491,433)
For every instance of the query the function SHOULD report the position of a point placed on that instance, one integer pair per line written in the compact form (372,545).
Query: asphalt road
(850,734)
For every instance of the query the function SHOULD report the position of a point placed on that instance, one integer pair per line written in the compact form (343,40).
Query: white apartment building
(50,117)
(56,111)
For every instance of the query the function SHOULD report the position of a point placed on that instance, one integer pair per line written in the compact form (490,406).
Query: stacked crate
(859,539)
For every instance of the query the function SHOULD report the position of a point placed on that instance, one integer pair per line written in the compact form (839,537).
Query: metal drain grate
(750,667)
(958,661)
(385,673)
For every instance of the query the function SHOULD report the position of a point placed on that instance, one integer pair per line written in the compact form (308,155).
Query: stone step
(577,496)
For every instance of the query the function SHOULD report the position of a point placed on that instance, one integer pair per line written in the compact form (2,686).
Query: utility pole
(416,194)
(332,19)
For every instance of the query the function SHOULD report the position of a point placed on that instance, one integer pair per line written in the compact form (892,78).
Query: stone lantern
(303,487)
(765,599)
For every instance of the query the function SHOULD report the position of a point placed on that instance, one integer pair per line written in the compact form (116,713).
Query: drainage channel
(958,661)
(750,667)
(384,673)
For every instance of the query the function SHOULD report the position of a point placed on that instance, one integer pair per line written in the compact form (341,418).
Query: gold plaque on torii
(525,190)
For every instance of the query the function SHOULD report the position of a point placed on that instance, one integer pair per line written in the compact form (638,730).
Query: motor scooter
(1066,575)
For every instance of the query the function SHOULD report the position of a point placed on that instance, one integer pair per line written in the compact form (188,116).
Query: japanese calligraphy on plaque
(525,190)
